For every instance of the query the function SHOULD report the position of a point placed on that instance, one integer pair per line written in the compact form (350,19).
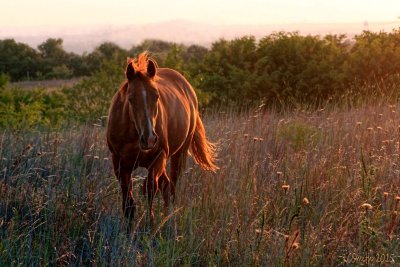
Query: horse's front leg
(123,170)
(150,185)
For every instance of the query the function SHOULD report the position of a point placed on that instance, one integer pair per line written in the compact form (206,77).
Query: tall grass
(294,188)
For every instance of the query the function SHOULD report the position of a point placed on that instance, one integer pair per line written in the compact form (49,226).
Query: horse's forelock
(142,61)
(140,64)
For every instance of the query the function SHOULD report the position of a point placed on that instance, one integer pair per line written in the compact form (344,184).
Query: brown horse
(154,116)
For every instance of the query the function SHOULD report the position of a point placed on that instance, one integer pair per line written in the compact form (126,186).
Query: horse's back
(179,102)
(172,82)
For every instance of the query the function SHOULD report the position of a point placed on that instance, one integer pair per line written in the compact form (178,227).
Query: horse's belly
(180,134)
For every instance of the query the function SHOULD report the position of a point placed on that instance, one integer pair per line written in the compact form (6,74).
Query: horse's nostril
(152,140)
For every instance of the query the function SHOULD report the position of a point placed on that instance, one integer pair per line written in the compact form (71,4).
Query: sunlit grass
(299,188)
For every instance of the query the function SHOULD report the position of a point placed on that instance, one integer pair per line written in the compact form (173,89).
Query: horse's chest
(131,152)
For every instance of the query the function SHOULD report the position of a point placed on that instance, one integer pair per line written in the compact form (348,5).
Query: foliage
(228,70)
(303,67)
(281,69)
(4,79)
(21,108)
(91,97)
(375,56)
(18,60)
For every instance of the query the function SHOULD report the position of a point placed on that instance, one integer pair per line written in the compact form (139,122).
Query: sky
(42,13)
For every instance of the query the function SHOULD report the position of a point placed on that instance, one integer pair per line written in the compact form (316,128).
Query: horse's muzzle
(149,142)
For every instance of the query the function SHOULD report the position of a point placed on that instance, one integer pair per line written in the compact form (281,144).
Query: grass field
(49,85)
(300,188)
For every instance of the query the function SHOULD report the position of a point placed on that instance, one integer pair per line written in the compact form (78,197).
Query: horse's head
(143,95)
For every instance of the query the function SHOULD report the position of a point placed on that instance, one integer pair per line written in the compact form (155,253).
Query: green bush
(21,108)
(4,79)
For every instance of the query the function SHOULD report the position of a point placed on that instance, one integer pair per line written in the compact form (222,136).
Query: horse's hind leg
(178,163)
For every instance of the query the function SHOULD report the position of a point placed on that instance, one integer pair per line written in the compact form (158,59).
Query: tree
(159,49)
(302,67)
(228,70)
(52,48)
(18,60)
(107,52)
(375,55)
(54,58)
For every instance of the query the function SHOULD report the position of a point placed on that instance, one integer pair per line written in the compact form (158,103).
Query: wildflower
(285,187)
(306,201)
(295,245)
(366,206)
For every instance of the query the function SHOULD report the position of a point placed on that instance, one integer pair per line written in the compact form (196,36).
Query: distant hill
(85,38)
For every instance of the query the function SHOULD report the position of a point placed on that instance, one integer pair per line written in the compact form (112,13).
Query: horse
(154,117)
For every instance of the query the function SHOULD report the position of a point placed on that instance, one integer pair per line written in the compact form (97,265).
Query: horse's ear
(151,68)
(130,70)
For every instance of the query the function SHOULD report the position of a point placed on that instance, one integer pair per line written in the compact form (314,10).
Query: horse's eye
(155,95)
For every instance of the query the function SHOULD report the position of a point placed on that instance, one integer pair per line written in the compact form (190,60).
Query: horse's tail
(202,150)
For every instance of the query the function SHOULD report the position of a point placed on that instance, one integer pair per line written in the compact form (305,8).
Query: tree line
(50,60)
(280,63)
(281,67)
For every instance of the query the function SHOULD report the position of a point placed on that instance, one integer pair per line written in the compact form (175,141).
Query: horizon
(86,38)
(85,25)
(222,12)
